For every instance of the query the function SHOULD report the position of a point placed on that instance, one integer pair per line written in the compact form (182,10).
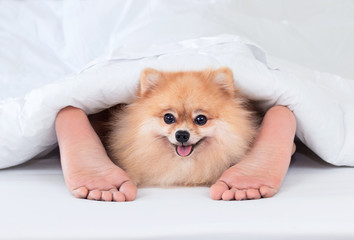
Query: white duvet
(322,103)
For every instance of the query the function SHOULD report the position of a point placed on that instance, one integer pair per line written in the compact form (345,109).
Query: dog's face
(184,128)
(187,109)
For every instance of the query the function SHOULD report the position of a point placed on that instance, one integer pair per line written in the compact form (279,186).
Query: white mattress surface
(315,202)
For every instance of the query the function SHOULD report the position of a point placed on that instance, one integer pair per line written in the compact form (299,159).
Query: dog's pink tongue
(184,150)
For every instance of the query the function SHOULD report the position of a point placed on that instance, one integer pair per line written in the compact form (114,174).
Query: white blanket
(322,103)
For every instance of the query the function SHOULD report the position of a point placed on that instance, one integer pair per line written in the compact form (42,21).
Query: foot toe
(253,194)
(228,195)
(80,192)
(94,195)
(267,192)
(240,195)
(217,190)
(107,196)
(129,190)
(118,196)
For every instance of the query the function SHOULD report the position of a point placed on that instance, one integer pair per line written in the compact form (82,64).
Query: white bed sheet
(315,202)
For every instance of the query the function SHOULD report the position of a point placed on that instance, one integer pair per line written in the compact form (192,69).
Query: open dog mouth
(186,150)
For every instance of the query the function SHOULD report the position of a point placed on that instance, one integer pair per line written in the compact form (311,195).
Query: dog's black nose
(182,136)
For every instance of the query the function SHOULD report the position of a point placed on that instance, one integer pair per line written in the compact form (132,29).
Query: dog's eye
(200,120)
(169,118)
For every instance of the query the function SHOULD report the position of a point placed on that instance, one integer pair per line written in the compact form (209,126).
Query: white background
(43,41)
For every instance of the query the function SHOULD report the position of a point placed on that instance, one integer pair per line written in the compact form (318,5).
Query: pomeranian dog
(184,128)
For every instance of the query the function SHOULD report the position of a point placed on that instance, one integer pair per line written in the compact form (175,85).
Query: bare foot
(261,172)
(88,171)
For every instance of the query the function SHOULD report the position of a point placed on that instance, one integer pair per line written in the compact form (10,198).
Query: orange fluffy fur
(143,145)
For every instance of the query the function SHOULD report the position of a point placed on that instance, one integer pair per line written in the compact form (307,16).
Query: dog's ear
(224,77)
(148,79)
